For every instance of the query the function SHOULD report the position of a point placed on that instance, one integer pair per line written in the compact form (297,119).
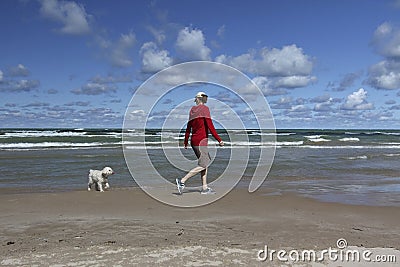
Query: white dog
(99,178)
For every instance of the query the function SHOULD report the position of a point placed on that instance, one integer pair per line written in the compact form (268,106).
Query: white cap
(201,94)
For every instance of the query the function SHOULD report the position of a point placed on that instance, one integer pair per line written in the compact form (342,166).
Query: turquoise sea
(349,166)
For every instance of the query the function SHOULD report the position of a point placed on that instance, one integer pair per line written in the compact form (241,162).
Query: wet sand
(125,227)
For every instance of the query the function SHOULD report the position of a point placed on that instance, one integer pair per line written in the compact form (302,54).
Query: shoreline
(273,190)
(128,225)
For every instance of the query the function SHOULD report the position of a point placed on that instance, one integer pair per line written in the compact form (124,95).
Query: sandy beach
(125,227)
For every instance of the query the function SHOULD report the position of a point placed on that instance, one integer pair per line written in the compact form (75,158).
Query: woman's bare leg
(192,173)
(204,178)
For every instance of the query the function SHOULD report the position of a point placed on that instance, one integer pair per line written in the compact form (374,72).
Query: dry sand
(125,227)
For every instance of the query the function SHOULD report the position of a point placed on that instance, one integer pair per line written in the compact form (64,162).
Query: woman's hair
(201,100)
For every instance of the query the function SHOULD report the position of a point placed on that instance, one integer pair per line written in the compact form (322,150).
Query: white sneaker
(207,191)
(179,185)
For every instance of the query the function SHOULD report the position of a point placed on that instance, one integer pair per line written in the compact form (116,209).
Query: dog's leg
(90,182)
(99,184)
(107,185)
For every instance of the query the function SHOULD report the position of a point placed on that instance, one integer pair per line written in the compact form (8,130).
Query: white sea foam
(313,136)
(357,157)
(350,139)
(294,143)
(316,140)
(273,134)
(154,145)
(381,133)
(351,133)
(48,145)
(352,147)
(392,155)
(41,134)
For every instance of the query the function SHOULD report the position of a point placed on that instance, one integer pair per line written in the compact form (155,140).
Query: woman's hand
(221,143)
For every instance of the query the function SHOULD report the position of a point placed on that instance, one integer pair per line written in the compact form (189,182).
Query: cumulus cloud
(71,15)
(295,81)
(288,61)
(95,89)
(386,40)
(116,51)
(111,79)
(324,103)
(37,105)
(320,99)
(267,86)
(159,35)
(10,81)
(221,31)
(19,86)
(153,59)
(357,101)
(18,71)
(120,51)
(346,82)
(190,45)
(245,62)
(386,74)
(282,103)
(78,104)
(290,67)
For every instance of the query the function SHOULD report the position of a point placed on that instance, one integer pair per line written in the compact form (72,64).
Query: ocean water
(349,166)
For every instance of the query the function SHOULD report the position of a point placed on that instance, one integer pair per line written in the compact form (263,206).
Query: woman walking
(199,125)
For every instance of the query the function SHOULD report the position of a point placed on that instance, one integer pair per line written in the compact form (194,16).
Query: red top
(200,124)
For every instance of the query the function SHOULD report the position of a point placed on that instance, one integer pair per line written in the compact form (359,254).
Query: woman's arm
(212,130)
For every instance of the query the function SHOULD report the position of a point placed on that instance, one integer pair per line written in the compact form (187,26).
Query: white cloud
(357,101)
(95,89)
(19,86)
(1,76)
(282,103)
(267,87)
(289,66)
(73,16)
(221,31)
(323,107)
(111,79)
(321,98)
(288,61)
(153,59)
(324,103)
(295,81)
(385,75)
(245,62)
(120,51)
(190,45)
(386,40)
(299,108)
(383,30)
(159,35)
(346,82)
(18,71)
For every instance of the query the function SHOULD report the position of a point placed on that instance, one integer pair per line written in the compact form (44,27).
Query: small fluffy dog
(99,178)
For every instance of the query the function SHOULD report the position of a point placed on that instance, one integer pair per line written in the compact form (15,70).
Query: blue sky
(320,64)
